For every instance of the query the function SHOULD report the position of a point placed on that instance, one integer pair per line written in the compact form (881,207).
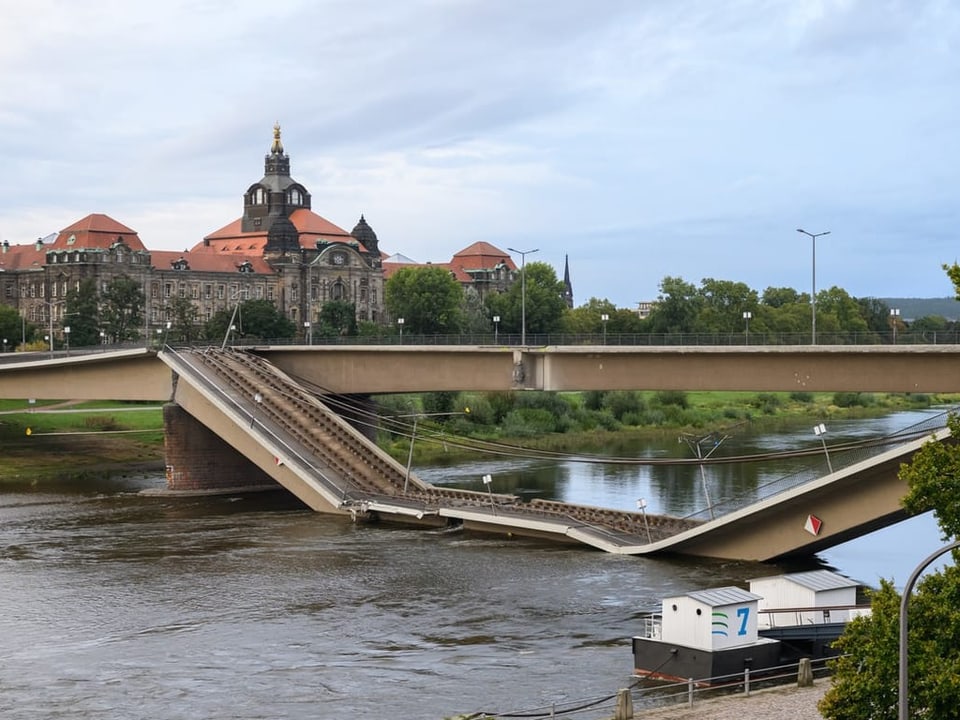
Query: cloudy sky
(643,138)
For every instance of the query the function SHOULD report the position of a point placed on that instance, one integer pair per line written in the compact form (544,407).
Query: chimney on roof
(39,244)
(6,245)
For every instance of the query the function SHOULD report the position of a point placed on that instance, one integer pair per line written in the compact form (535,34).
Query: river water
(119,605)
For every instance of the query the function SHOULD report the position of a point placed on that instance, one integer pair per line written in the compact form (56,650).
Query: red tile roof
(208,262)
(23,257)
(312,227)
(95,231)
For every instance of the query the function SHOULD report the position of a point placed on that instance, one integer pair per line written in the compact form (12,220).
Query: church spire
(567,285)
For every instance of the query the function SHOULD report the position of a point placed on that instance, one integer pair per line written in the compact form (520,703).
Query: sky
(640,138)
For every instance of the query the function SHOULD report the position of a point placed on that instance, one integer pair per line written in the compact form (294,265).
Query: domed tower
(277,195)
(365,235)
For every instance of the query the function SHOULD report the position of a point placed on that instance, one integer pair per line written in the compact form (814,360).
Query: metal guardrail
(839,459)
(647,695)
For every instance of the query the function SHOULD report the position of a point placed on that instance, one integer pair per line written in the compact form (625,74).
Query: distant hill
(913,308)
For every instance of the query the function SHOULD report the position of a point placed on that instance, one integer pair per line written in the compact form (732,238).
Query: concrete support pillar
(198,460)
(805,673)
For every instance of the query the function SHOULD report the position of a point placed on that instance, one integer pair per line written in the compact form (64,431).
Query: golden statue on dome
(277,147)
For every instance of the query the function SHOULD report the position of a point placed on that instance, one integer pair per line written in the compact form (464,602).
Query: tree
(865,676)
(724,303)
(778,297)
(337,318)
(184,321)
(11,327)
(259,319)
(677,307)
(544,302)
(82,309)
(428,298)
(121,308)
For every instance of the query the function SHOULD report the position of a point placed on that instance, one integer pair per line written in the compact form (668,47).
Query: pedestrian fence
(644,695)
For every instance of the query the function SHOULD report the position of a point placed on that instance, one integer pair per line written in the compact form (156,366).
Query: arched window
(296,198)
(338,291)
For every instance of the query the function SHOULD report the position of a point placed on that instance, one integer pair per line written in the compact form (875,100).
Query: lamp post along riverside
(400,325)
(523,290)
(604,318)
(894,319)
(813,293)
(746,329)
(496,329)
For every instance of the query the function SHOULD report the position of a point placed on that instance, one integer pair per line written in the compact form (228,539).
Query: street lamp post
(496,329)
(66,337)
(400,325)
(523,291)
(813,295)
(308,331)
(894,320)
(903,700)
(603,318)
(821,430)
(746,329)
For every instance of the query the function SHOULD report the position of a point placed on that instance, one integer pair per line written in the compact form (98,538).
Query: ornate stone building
(277,250)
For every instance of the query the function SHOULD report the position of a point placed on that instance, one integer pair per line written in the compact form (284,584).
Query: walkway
(772,704)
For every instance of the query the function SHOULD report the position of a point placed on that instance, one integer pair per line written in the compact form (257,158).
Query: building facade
(278,250)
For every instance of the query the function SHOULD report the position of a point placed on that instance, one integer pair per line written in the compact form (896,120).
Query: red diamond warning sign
(813,525)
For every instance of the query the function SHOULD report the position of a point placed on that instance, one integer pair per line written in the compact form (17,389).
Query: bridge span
(138,374)
(281,425)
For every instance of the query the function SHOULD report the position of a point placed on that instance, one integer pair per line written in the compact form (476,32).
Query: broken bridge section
(268,427)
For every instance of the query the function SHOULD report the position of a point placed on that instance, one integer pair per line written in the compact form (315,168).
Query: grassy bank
(69,439)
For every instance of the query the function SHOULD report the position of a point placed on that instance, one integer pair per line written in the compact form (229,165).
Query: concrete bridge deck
(295,439)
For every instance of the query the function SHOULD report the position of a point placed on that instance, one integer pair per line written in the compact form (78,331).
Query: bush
(672,397)
(621,402)
(802,396)
(593,399)
(528,422)
(854,399)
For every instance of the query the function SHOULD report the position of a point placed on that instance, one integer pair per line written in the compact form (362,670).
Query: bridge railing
(840,457)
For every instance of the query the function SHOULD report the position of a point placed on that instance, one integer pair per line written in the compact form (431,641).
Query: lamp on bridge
(103,337)
(604,318)
(66,338)
(487,480)
(746,329)
(308,332)
(258,400)
(523,291)
(642,507)
(496,329)
(813,294)
(894,320)
(400,325)
(821,430)
(4,344)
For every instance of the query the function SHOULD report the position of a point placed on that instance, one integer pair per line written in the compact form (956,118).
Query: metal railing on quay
(647,695)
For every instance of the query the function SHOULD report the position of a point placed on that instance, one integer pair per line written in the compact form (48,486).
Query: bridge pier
(199,461)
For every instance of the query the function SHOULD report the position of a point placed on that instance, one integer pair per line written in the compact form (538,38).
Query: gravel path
(773,704)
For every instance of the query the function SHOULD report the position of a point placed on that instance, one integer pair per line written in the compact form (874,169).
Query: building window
(259,292)
(270,293)
(183,290)
(167,289)
(207,291)
(220,291)
(338,291)
(195,291)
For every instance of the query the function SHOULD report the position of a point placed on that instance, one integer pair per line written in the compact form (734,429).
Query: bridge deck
(281,425)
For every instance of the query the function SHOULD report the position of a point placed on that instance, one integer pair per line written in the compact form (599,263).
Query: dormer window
(296,197)
(180,264)
(71,240)
(245,267)
(259,196)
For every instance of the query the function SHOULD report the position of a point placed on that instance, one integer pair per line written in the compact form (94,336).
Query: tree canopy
(428,298)
(121,308)
(540,296)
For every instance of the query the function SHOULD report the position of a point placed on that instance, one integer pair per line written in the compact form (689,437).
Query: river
(119,605)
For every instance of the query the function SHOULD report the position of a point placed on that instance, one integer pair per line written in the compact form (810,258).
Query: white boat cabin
(710,619)
(807,598)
